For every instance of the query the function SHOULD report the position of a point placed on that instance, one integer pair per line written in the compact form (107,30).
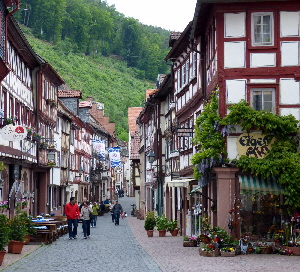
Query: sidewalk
(171,256)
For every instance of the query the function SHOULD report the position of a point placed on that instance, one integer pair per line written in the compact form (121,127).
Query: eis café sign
(254,145)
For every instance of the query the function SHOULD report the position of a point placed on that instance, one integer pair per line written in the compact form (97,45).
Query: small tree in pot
(150,223)
(3,236)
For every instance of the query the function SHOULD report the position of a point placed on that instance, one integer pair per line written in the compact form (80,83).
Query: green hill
(106,79)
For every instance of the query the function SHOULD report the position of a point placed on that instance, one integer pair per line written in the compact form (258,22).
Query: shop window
(259,212)
(262,29)
(263,99)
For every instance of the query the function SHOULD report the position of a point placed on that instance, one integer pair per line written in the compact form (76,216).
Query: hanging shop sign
(184,132)
(254,145)
(13,133)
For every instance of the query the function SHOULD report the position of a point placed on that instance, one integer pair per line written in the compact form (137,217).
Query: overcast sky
(173,15)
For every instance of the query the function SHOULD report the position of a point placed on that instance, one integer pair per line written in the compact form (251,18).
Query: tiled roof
(133,113)
(84,104)
(149,92)
(69,93)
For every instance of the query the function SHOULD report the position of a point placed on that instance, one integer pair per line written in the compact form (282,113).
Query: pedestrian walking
(111,211)
(117,210)
(85,214)
(95,209)
(72,212)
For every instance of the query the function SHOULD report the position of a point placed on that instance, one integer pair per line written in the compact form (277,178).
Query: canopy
(259,184)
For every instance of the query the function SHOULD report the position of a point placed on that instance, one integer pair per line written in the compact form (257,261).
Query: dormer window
(262,29)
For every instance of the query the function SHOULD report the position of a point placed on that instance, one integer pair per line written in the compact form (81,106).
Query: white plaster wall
(234,54)
(262,60)
(289,53)
(263,80)
(289,91)
(293,111)
(234,24)
(232,147)
(235,90)
(289,23)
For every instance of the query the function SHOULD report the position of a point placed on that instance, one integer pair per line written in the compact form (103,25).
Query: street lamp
(151,157)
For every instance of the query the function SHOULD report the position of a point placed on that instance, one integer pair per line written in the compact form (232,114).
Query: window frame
(272,27)
(264,88)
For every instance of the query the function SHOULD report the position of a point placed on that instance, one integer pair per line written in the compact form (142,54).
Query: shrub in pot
(3,236)
(17,233)
(162,223)
(173,228)
(150,223)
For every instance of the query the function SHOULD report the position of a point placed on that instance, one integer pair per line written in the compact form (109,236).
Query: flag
(99,147)
(114,156)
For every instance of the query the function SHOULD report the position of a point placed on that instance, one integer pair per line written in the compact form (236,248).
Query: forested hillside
(93,28)
(97,50)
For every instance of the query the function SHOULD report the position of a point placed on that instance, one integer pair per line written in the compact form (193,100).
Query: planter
(296,250)
(174,232)
(15,247)
(228,254)
(2,255)
(212,253)
(266,250)
(162,233)
(150,233)
(189,243)
(27,239)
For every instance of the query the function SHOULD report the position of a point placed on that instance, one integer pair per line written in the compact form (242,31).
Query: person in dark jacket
(117,210)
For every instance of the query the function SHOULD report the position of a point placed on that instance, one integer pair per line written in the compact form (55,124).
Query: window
(263,99)
(262,29)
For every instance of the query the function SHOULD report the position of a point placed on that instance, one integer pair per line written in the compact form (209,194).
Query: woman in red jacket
(72,212)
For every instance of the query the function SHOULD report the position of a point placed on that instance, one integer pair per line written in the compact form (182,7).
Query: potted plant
(17,232)
(24,203)
(162,223)
(3,236)
(190,241)
(173,228)
(150,223)
(29,226)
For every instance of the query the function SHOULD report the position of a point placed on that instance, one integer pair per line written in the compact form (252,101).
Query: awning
(195,190)
(258,184)
(180,182)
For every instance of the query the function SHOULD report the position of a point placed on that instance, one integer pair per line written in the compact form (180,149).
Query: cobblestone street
(127,248)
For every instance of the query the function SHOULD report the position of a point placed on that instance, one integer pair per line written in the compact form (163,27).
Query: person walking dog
(117,210)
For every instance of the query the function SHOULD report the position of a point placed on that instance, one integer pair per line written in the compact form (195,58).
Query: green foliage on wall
(282,161)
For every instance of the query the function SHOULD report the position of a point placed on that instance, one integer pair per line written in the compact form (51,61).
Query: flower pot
(189,243)
(174,232)
(228,254)
(150,233)
(162,233)
(15,247)
(212,253)
(2,255)
(27,239)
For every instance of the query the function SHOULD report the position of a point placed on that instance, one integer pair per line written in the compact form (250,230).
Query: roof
(133,113)
(69,93)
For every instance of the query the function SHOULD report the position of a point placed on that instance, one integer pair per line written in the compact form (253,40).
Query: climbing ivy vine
(282,161)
